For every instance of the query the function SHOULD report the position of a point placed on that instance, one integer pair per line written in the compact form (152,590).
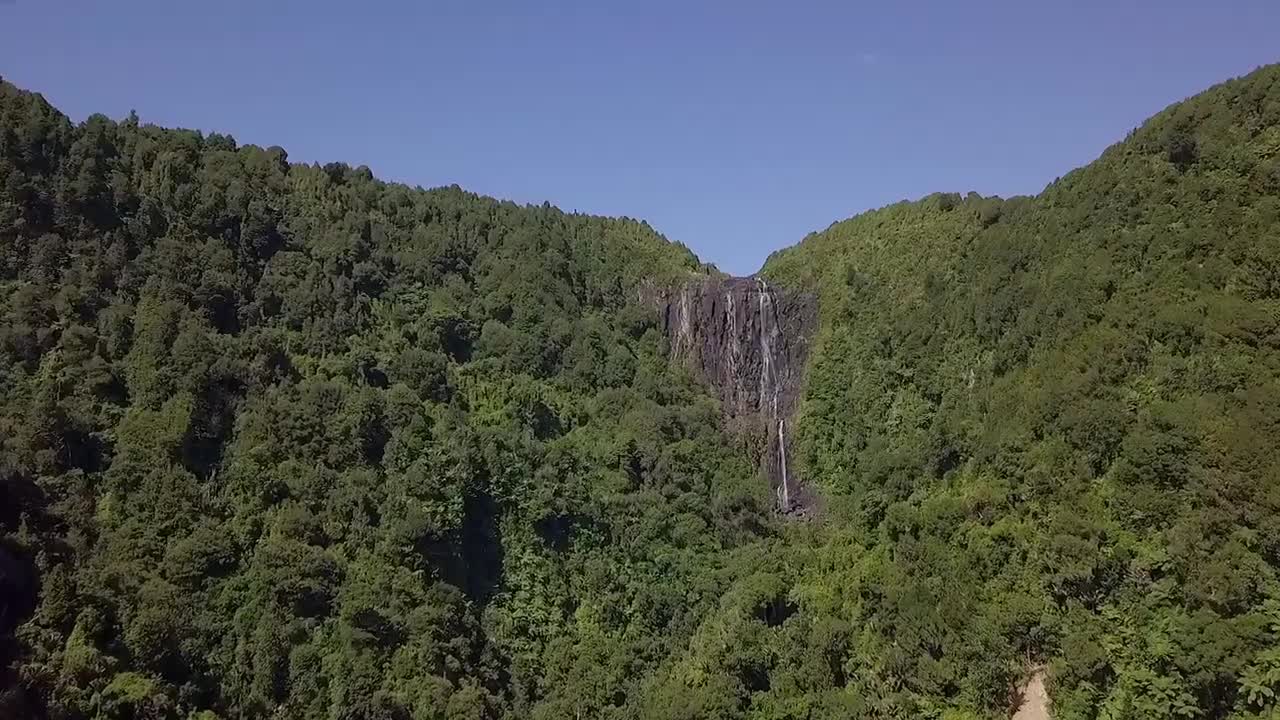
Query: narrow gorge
(748,340)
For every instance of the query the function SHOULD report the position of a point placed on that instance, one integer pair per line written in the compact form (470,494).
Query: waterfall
(771,385)
(767,380)
(684,336)
(747,339)
(734,349)
(782,456)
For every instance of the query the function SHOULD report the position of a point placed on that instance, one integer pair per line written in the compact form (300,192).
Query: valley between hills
(284,440)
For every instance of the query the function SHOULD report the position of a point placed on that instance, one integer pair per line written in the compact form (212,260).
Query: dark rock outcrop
(748,340)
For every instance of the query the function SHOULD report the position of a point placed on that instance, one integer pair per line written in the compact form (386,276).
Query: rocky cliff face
(748,340)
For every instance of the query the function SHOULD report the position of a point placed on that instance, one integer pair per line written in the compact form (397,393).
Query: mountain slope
(1054,421)
(284,440)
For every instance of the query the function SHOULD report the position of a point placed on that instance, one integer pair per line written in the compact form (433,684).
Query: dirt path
(1035,700)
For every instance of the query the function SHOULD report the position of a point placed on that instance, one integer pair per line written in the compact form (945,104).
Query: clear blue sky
(735,127)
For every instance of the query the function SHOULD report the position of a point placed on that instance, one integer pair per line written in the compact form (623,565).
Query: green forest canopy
(284,440)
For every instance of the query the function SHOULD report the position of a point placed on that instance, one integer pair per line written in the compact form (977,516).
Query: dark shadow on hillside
(471,558)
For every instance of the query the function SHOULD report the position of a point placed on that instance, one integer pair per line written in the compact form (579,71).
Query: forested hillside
(285,441)
(1054,424)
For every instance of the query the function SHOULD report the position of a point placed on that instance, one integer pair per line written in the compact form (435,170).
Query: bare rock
(748,340)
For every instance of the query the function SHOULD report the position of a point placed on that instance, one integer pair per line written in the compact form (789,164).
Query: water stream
(770,383)
(747,339)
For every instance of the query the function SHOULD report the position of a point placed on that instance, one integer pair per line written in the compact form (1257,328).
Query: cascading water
(748,340)
(770,385)
(782,458)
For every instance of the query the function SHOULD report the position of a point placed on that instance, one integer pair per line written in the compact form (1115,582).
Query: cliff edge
(747,339)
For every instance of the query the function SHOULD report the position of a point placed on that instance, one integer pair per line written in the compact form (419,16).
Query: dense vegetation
(286,441)
(283,440)
(1053,422)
